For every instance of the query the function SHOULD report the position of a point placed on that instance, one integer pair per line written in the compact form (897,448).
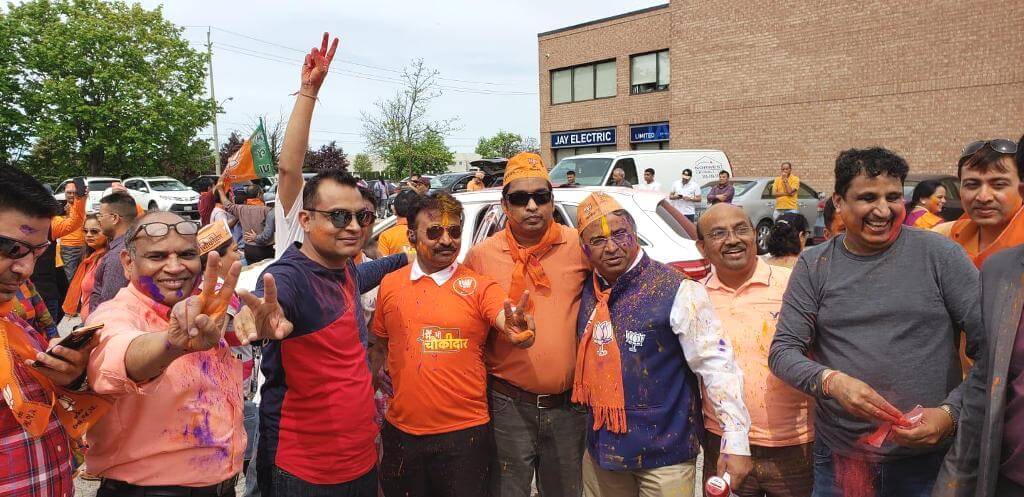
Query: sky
(486,50)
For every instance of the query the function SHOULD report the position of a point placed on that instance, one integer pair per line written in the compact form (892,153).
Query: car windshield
(444,180)
(739,187)
(589,171)
(99,185)
(167,185)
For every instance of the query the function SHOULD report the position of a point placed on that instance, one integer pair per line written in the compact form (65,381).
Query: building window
(580,83)
(649,72)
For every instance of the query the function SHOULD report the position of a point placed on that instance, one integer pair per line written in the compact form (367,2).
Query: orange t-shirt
(68,228)
(436,328)
(395,240)
(546,367)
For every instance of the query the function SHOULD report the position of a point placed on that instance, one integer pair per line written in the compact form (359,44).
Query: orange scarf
(75,411)
(254,201)
(597,380)
(965,232)
(73,301)
(528,261)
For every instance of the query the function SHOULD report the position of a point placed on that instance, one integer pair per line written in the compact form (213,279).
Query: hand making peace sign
(197,323)
(519,325)
(264,318)
(316,65)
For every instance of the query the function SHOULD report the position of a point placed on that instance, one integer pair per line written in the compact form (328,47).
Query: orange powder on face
(605,230)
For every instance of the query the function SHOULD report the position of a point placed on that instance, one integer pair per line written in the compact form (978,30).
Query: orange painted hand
(519,325)
(316,65)
(214,300)
(264,318)
(198,323)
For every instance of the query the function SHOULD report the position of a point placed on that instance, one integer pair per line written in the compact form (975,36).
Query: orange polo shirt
(436,326)
(395,239)
(546,367)
(68,229)
(780,415)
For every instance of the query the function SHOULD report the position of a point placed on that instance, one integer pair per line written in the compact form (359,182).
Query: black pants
(276,482)
(257,253)
(455,464)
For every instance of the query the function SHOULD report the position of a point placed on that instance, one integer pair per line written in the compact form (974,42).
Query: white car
(97,185)
(164,193)
(665,234)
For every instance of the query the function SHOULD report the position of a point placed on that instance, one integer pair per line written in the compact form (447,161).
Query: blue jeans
(842,476)
(276,482)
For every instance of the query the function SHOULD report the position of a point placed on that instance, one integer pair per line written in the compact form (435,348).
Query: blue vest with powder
(663,405)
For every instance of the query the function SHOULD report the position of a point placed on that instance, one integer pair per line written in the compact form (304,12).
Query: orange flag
(251,161)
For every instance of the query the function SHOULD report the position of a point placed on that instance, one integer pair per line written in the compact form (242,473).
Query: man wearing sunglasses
(432,322)
(536,428)
(646,334)
(176,421)
(41,447)
(117,213)
(991,186)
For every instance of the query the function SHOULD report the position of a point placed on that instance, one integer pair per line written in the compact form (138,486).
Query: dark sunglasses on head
(520,199)
(341,218)
(436,232)
(16,249)
(157,229)
(1000,145)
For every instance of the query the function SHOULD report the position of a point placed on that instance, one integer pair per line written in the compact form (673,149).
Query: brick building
(786,81)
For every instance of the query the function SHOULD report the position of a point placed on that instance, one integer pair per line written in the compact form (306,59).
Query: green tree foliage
(329,156)
(362,165)
(89,86)
(502,144)
(429,155)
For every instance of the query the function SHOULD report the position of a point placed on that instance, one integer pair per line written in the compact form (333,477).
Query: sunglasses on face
(521,199)
(157,229)
(341,218)
(436,232)
(16,249)
(1000,145)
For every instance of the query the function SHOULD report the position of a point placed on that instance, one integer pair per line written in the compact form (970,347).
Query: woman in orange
(926,204)
(80,289)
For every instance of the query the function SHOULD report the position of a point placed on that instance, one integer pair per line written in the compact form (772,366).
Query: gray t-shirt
(891,320)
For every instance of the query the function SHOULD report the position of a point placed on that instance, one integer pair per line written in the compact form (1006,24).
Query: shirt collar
(762,276)
(636,262)
(440,277)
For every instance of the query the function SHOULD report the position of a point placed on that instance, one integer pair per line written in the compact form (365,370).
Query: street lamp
(216,139)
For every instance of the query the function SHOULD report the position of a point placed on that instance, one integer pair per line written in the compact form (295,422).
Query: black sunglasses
(436,232)
(341,218)
(1000,145)
(520,199)
(157,229)
(16,249)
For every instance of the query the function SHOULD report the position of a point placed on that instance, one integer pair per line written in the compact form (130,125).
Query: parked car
(665,234)
(270,197)
(953,209)
(164,193)
(459,182)
(96,184)
(754,195)
(596,169)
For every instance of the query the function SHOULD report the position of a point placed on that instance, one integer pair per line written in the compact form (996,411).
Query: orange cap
(524,165)
(594,207)
(212,236)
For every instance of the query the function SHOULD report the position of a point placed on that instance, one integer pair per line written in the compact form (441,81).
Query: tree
(362,165)
(400,130)
(105,87)
(329,156)
(502,144)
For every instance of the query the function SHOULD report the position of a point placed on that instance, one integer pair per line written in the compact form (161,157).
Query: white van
(668,165)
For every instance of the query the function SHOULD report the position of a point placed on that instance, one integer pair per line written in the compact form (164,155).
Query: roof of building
(604,19)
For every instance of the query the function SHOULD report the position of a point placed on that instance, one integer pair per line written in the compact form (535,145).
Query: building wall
(801,81)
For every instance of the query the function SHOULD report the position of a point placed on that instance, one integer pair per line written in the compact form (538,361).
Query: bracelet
(826,381)
(949,412)
(307,95)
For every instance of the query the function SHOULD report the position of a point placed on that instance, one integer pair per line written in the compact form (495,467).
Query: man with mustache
(537,429)
(432,322)
(176,421)
(869,328)
(116,215)
(990,189)
(35,440)
(646,334)
(747,295)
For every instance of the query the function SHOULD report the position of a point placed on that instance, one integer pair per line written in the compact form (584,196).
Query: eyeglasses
(540,197)
(1000,145)
(158,229)
(621,237)
(341,218)
(436,232)
(16,249)
(721,234)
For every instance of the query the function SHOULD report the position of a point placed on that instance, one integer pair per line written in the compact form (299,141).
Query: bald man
(746,293)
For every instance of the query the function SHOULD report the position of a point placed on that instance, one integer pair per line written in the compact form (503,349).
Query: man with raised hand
(537,429)
(176,422)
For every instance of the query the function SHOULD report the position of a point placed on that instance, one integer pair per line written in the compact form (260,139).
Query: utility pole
(213,99)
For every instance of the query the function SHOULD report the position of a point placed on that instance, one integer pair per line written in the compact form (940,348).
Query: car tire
(764,228)
(152,206)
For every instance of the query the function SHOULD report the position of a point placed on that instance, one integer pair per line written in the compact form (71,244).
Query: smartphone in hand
(76,340)
(80,186)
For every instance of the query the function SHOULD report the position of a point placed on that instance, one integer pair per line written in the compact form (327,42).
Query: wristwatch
(952,417)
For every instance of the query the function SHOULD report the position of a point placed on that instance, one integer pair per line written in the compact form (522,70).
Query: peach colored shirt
(546,367)
(780,415)
(183,427)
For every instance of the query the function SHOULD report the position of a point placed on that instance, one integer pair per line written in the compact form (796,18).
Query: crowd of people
(887,361)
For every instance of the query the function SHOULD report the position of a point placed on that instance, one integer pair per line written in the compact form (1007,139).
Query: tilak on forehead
(596,208)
